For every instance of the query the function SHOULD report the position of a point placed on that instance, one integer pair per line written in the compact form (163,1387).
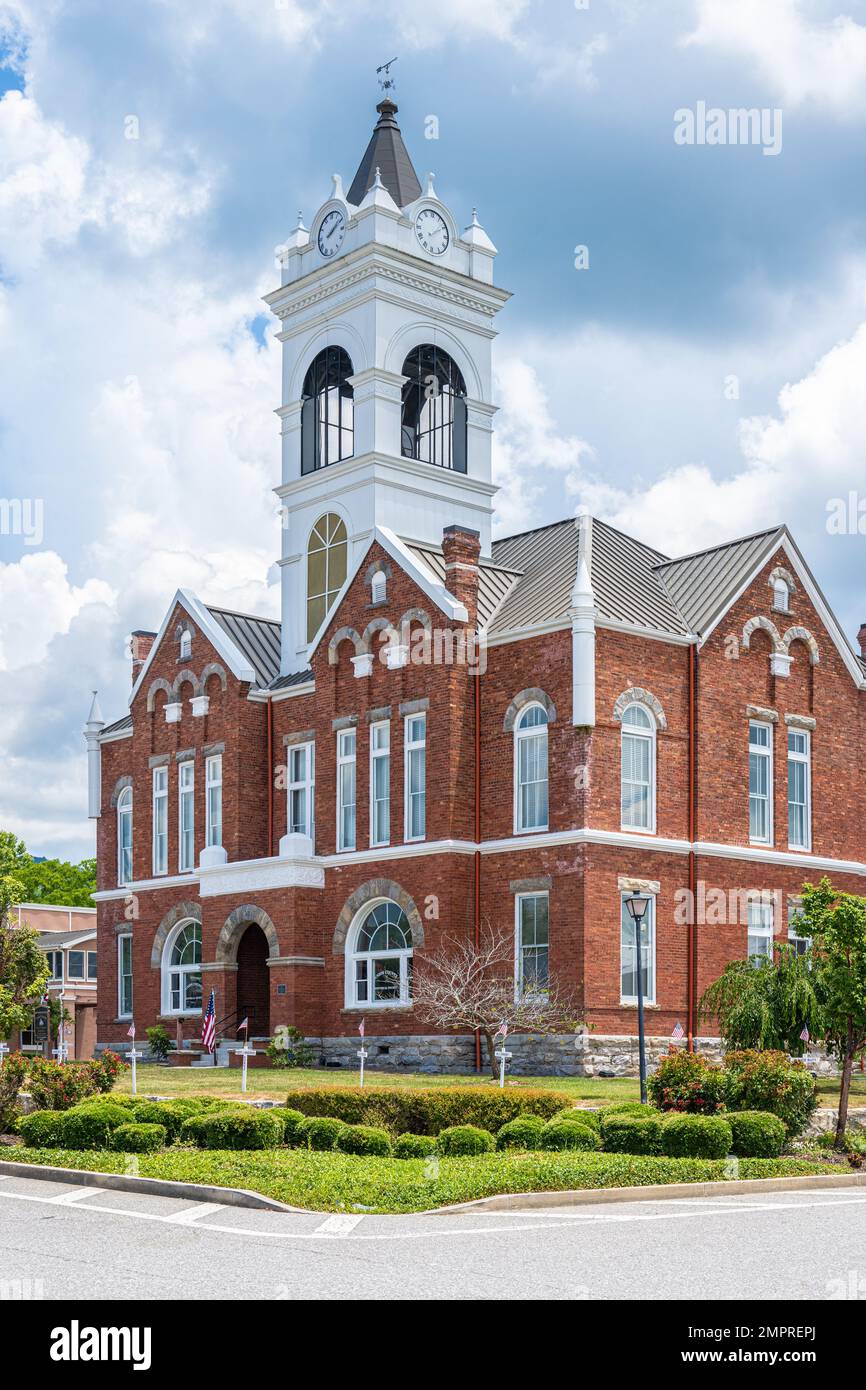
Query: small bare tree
(468,987)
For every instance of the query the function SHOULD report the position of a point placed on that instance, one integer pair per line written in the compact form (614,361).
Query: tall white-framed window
(415,758)
(759,945)
(801,944)
(799,789)
(181,970)
(186,816)
(380,783)
(124,976)
(530,769)
(379,958)
(302,790)
(532,943)
(92,965)
(160,820)
(760,783)
(55,964)
(346,788)
(213,779)
(638,769)
(124,836)
(628,955)
(75,963)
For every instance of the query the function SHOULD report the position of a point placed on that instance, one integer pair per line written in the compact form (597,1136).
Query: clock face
(431,231)
(331,233)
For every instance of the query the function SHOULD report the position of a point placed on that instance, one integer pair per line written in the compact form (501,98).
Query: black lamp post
(637,906)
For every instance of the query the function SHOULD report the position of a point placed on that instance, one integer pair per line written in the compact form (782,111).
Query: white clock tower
(386,318)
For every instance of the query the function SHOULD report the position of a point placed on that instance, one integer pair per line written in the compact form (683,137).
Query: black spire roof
(387,153)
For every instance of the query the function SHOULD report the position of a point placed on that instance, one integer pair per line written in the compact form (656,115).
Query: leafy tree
(836,923)
(765,1003)
(49,880)
(23,966)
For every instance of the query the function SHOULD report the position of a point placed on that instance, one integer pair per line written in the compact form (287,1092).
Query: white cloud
(37,602)
(801,60)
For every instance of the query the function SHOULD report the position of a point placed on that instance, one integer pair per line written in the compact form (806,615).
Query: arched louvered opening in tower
(327,413)
(434,409)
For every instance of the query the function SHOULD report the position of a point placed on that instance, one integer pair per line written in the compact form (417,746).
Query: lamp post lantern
(637,905)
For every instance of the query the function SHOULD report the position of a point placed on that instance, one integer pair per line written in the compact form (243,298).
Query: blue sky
(140,375)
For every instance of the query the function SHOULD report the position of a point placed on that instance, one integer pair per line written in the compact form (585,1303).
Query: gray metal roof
(494,581)
(285,682)
(701,585)
(258,639)
(57,940)
(387,153)
(627,588)
(119,726)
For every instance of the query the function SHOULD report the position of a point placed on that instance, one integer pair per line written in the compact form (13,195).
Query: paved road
(63,1241)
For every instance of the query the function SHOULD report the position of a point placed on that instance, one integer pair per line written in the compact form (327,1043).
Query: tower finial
(386,82)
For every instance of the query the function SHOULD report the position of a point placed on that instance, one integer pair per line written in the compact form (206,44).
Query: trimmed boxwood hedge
(319,1132)
(628,1107)
(696,1136)
(458,1141)
(235,1129)
(522,1133)
(291,1120)
(416,1111)
(756,1133)
(173,1113)
(364,1140)
(579,1116)
(414,1146)
(566,1134)
(632,1134)
(43,1129)
(91,1125)
(138,1139)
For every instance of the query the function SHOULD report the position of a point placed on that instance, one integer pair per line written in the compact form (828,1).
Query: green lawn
(273,1084)
(337,1182)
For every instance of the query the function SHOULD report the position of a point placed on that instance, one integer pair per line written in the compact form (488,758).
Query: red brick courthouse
(445,730)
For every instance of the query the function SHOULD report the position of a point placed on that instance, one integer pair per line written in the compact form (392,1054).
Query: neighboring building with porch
(67,935)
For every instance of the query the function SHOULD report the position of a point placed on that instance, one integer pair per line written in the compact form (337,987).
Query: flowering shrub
(687,1082)
(771,1082)
(52,1086)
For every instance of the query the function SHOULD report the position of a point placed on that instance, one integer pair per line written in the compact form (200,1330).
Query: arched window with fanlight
(530,769)
(638,769)
(181,970)
(124,836)
(434,409)
(327,561)
(327,411)
(379,957)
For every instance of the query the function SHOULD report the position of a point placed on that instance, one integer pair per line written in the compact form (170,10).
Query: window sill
(172,1018)
(532,830)
(632,1004)
(647,830)
(761,844)
(377,1008)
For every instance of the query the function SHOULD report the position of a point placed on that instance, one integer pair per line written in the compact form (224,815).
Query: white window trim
(806,760)
(185,645)
(121,1012)
(651,996)
(159,796)
(650,735)
(781,596)
(519,736)
(352,955)
(766,928)
(519,898)
(344,760)
(215,760)
(413,746)
(378,755)
(183,791)
(768,754)
(165,970)
(55,951)
(76,979)
(307,783)
(124,809)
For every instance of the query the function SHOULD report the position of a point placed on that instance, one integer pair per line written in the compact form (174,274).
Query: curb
(151,1187)
(601,1196)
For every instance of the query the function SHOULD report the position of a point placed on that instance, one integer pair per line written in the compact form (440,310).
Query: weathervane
(387,82)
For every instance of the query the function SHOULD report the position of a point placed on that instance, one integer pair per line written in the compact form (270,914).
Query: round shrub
(414,1146)
(460,1140)
(522,1133)
(320,1132)
(173,1113)
(43,1129)
(239,1129)
(770,1082)
(756,1134)
(565,1134)
(364,1140)
(138,1139)
(577,1116)
(291,1120)
(192,1131)
(632,1134)
(626,1107)
(126,1102)
(91,1126)
(696,1136)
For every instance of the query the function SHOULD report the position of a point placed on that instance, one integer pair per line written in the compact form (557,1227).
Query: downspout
(270,778)
(692,945)
(477,829)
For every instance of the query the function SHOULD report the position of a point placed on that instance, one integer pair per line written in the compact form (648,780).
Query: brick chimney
(861,638)
(461,548)
(140,644)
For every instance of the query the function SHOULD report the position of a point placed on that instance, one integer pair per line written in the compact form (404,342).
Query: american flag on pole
(208,1027)
(361,1027)
(679,1032)
(502,1029)
(805,1034)
(131,1032)
(242,1027)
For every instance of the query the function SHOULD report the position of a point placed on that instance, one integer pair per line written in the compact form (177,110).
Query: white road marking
(190,1215)
(338,1225)
(78,1194)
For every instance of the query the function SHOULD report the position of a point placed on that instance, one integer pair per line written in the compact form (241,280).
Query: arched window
(185,644)
(181,970)
(327,559)
(530,769)
(124,836)
(434,409)
(781,596)
(327,412)
(638,769)
(379,964)
(378,587)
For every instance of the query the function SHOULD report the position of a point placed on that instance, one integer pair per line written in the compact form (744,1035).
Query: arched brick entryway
(253,982)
